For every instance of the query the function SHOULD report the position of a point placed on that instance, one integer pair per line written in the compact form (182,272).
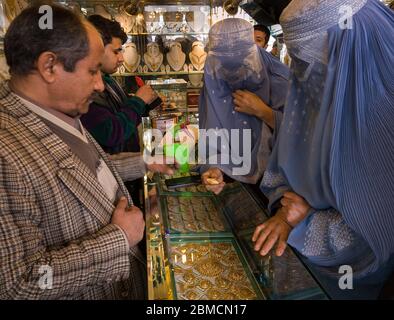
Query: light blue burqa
(336,143)
(235,62)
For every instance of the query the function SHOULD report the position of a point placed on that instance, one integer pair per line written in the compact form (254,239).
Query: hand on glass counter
(274,230)
(166,168)
(277,229)
(160,168)
(213,180)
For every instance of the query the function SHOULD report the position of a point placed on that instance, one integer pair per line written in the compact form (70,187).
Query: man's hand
(146,93)
(213,180)
(161,164)
(249,103)
(274,230)
(130,220)
(161,168)
(294,207)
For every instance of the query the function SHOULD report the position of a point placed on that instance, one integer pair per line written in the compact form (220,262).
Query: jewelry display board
(186,216)
(173,93)
(211,270)
(195,190)
(201,264)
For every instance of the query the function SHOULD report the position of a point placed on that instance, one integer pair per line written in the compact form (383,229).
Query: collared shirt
(71,131)
(67,123)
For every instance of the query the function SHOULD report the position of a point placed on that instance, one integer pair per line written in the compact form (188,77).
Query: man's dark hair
(25,41)
(108,29)
(263,28)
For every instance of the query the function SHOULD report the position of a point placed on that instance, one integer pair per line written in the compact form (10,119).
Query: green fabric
(137,104)
(104,131)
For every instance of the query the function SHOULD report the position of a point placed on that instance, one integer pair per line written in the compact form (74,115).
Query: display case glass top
(192,261)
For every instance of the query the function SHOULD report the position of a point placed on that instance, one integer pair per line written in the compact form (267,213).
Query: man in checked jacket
(68,229)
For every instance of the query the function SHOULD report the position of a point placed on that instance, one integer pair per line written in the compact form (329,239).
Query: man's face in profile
(259,39)
(72,92)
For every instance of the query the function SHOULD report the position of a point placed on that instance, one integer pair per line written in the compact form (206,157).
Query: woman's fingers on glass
(216,189)
(257,231)
(282,244)
(262,237)
(218,176)
(215,173)
(269,243)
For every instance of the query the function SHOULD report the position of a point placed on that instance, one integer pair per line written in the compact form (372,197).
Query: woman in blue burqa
(238,73)
(330,180)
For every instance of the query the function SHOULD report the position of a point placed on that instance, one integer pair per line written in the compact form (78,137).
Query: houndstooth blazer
(53,212)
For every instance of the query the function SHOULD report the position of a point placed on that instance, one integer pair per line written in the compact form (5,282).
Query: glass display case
(173,93)
(211,269)
(172,44)
(199,247)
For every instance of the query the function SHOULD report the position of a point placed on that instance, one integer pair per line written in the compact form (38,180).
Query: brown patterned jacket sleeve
(97,258)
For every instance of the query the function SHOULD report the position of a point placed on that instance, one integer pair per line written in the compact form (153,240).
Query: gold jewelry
(202,188)
(191,295)
(246,294)
(191,227)
(222,246)
(176,57)
(189,277)
(236,275)
(209,267)
(206,226)
(222,283)
(203,248)
(214,294)
(229,296)
(205,284)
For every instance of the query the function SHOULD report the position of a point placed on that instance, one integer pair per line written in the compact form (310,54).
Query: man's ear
(47,64)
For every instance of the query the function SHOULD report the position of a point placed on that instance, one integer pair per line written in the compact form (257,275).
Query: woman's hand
(274,230)
(249,103)
(213,180)
(277,229)
(294,207)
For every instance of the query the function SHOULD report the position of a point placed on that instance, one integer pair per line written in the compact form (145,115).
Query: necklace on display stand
(198,55)
(153,57)
(176,57)
(140,25)
(131,57)
(126,21)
